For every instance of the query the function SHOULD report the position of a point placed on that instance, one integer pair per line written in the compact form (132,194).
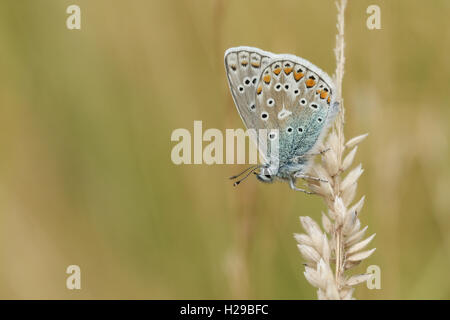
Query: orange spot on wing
(287,70)
(323,94)
(244,63)
(266,78)
(258,91)
(233,66)
(298,75)
(255,64)
(310,83)
(329,99)
(277,71)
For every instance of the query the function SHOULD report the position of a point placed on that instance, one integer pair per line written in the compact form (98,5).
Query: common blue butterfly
(290,97)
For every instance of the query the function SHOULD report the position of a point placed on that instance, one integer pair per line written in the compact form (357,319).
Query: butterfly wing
(243,66)
(296,97)
(281,92)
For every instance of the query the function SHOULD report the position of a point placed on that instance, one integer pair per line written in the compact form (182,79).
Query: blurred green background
(85,171)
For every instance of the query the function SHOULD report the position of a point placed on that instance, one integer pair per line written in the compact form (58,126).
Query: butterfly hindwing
(297,99)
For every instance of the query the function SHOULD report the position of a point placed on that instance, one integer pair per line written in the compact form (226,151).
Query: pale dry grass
(342,243)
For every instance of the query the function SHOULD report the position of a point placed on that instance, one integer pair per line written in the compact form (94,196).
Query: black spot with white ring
(314,106)
(247,81)
(300,129)
(270,102)
(252,107)
(296,91)
(289,129)
(264,116)
(319,119)
(278,87)
(303,102)
(241,89)
(286,87)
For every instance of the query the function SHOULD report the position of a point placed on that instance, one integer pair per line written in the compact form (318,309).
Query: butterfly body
(290,98)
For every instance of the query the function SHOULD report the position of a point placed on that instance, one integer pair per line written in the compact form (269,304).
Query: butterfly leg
(306,177)
(307,155)
(321,152)
(293,187)
(324,150)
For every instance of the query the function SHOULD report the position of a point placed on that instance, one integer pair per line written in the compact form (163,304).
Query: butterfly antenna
(240,174)
(246,176)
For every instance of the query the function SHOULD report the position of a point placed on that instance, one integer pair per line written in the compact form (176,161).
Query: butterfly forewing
(243,66)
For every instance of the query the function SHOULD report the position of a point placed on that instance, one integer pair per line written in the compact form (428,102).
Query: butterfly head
(264,177)
(267,174)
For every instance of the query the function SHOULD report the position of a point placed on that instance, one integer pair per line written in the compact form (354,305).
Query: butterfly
(290,98)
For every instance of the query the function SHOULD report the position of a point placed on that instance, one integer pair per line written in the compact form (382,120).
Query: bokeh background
(85,171)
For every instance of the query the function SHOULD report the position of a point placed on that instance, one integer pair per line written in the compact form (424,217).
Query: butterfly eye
(278,87)
(313,105)
(247,81)
(264,116)
(300,129)
(241,88)
(303,102)
(289,129)
(270,102)
(272,136)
